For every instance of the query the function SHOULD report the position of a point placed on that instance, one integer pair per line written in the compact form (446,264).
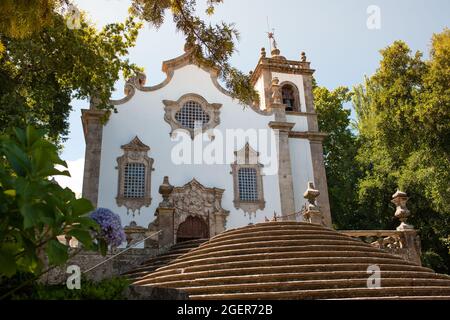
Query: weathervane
(272,41)
(272,37)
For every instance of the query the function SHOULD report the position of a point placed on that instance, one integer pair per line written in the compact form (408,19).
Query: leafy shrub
(107,289)
(34,210)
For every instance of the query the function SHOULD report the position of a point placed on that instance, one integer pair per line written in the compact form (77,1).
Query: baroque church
(236,221)
(276,149)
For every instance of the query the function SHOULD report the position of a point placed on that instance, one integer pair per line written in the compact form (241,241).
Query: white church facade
(186,158)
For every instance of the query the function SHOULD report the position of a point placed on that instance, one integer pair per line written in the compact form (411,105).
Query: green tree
(211,44)
(340,148)
(403,112)
(41,74)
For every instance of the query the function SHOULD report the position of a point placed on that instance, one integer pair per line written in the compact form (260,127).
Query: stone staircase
(289,260)
(161,260)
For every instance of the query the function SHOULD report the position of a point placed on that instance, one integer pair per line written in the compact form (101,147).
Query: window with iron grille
(190,114)
(134,180)
(248,187)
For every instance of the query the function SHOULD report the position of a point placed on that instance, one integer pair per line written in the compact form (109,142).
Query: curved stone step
(277,277)
(189,244)
(283,234)
(282,243)
(295,237)
(266,231)
(189,274)
(328,294)
(289,250)
(291,260)
(202,264)
(282,255)
(158,261)
(311,285)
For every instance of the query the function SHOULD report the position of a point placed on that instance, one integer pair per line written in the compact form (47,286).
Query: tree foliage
(41,72)
(340,148)
(403,124)
(35,210)
(212,45)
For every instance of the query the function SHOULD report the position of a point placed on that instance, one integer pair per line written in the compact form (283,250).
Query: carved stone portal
(195,200)
(192,206)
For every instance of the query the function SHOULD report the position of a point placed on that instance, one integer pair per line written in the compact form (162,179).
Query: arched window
(191,114)
(290,97)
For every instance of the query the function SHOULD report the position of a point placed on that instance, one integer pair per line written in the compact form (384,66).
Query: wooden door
(192,228)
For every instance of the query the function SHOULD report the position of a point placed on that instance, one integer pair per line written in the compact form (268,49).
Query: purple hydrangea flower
(110,226)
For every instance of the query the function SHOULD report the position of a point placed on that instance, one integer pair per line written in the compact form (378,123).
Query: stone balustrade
(403,243)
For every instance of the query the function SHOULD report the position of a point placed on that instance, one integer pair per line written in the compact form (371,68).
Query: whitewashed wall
(143,116)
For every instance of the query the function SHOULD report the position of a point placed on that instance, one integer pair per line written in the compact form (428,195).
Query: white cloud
(75,181)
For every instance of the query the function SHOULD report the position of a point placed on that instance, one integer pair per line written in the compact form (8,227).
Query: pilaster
(93,133)
(286,185)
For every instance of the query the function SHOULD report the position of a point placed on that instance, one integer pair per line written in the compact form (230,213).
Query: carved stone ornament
(399,199)
(134,152)
(194,199)
(211,112)
(134,233)
(311,212)
(277,97)
(248,158)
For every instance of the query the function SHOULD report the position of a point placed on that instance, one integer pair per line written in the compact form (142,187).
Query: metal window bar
(248,187)
(134,180)
(190,113)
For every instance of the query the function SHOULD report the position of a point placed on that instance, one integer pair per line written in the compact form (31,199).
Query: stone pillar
(320,177)
(93,132)
(165,215)
(312,212)
(286,185)
(309,97)
(315,142)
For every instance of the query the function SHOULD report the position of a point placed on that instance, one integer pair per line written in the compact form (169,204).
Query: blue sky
(333,33)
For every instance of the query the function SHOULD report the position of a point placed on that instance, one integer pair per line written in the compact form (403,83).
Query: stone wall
(114,267)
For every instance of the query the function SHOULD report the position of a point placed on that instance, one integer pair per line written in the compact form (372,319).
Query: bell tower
(287,86)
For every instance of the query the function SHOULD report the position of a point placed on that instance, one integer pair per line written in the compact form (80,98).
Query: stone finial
(276,91)
(138,80)
(303,56)
(263,52)
(400,198)
(165,189)
(311,194)
(275,52)
(312,213)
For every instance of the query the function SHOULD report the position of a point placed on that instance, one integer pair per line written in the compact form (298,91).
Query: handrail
(126,249)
